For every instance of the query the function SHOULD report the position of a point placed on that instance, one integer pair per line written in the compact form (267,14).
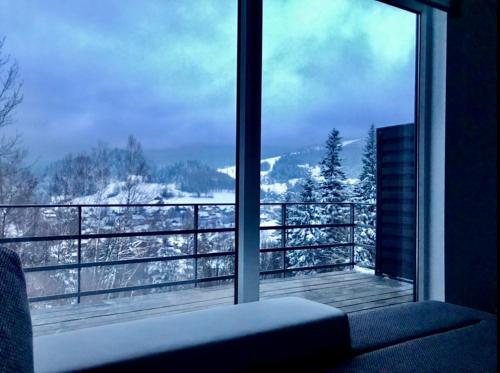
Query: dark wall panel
(395,243)
(471,156)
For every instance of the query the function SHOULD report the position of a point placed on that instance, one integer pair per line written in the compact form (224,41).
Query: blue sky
(165,71)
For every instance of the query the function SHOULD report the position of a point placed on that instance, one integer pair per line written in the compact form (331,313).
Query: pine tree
(366,196)
(366,189)
(306,214)
(332,187)
(333,191)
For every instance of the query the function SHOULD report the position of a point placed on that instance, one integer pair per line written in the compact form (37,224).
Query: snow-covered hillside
(119,193)
(279,175)
(283,173)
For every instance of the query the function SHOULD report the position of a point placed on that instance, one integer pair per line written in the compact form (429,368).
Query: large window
(118,117)
(120,126)
(338,156)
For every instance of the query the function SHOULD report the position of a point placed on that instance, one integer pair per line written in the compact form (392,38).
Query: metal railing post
(79,253)
(195,244)
(283,236)
(352,233)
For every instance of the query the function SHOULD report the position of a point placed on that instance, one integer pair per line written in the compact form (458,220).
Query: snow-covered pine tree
(366,196)
(332,186)
(366,190)
(332,191)
(303,215)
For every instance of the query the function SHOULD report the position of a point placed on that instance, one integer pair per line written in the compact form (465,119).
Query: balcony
(90,265)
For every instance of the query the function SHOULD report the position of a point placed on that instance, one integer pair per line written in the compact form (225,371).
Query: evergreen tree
(333,191)
(366,196)
(332,187)
(303,215)
(366,190)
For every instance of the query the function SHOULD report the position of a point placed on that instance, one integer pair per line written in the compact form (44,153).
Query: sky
(165,71)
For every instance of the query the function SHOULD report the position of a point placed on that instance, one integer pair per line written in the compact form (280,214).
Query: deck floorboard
(350,291)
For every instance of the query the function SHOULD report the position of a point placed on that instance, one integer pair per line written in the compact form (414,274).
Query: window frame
(429,126)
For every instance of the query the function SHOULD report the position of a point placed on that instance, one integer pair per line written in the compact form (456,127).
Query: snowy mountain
(87,178)
(282,173)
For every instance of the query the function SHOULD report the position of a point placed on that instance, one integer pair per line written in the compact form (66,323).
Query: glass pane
(338,152)
(117,127)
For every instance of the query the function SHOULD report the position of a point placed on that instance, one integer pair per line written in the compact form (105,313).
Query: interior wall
(471,156)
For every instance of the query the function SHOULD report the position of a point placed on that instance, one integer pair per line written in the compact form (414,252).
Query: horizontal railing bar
(116,205)
(307,247)
(364,245)
(303,226)
(128,288)
(308,203)
(323,266)
(89,236)
(125,261)
(175,204)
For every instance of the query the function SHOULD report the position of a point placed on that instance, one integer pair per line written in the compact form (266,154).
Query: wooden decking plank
(349,290)
(111,319)
(332,292)
(339,285)
(377,304)
(330,298)
(127,301)
(369,298)
(173,298)
(164,301)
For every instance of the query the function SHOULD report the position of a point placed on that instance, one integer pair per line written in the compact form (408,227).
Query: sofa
(283,334)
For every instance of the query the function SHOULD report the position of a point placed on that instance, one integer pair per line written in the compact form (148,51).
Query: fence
(206,219)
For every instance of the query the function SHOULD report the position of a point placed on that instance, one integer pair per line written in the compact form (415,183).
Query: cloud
(166,70)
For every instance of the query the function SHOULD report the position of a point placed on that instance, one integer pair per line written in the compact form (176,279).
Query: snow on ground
(347,142)
(351,181)
(216,197)
(266,222)
(275,187)
(364,270)
(231,170)
(116,193)
(271,161)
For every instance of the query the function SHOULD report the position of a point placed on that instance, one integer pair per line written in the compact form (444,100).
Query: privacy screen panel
(396,230)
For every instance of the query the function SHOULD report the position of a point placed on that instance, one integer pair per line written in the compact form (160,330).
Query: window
(126,144)
(130,166)
(338,154)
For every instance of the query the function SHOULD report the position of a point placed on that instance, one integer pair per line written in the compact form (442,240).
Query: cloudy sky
(165,70)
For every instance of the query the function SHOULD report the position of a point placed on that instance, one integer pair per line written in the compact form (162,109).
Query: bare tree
(10,98)
(17,184)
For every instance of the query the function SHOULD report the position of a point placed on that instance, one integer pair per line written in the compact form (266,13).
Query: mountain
(282,173)
(212,155)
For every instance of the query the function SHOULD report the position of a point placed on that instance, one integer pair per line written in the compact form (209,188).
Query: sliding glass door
(338,152)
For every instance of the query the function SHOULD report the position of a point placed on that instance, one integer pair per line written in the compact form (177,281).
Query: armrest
(281,332)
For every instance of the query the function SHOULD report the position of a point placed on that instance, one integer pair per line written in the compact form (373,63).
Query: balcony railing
(86,223)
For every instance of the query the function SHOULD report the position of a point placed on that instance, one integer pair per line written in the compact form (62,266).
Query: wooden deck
(350,291)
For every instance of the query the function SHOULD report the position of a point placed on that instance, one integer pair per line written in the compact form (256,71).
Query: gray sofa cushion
(273,334)
(384,327)
(470,348)
(16,336)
